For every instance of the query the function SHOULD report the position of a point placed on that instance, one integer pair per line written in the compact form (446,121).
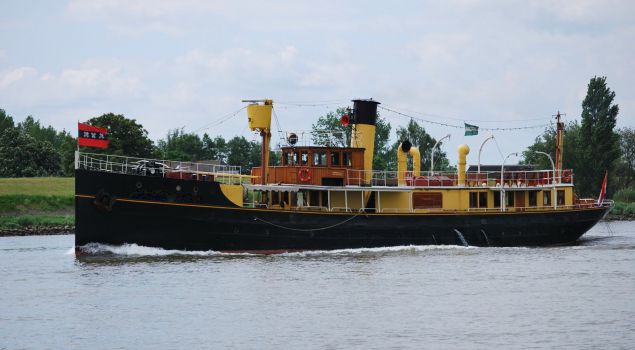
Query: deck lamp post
(480,149)
(553,181)
(502,186)
(432,155)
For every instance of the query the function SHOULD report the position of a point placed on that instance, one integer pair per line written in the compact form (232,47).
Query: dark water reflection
(571,297)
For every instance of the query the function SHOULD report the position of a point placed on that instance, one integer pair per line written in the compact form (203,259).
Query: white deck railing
(511,179)
(156,167)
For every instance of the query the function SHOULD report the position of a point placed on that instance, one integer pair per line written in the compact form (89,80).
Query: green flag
(470,130)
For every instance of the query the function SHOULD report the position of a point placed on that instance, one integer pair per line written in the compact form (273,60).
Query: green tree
(328,131)
(601,142)
(215,148)
(23,156)
(61,141)
(39,132)
(418,136)
(179,145)
(127,137)
(66,149)
(240,152)
(6,121)
(383,152)
(626,168)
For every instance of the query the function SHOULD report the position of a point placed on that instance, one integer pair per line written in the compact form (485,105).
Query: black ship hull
(117,209)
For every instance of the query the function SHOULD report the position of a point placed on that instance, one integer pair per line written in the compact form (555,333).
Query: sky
(188,64)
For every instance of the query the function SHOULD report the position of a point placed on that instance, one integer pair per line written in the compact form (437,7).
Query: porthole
(178,188)
(139,184)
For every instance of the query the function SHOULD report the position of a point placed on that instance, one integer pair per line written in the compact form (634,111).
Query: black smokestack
(365,112)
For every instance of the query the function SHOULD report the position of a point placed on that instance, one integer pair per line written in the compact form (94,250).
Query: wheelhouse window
(288,158)
(335,159)
(304,158)
(319,158)
(347,159)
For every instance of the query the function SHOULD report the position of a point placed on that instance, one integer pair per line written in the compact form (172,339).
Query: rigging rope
(306,229)
(459,126)
(275,118)
(468,120)
(313,104)
(219,121)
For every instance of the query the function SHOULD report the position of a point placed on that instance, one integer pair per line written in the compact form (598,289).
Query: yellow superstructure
(523,190)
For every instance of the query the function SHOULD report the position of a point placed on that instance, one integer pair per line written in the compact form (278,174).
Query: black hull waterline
(118,209)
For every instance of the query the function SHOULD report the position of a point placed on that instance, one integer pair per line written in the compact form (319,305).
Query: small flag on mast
(92,136)
(603,190)
(470,130)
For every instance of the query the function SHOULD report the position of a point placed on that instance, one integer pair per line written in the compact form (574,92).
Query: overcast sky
(172,64)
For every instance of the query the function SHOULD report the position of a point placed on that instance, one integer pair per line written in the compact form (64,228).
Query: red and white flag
(603,190)
(92,136)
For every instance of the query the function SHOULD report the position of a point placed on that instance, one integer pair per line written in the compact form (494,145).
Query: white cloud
(92,81)
(16,75)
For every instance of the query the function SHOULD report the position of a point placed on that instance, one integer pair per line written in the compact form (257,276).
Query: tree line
(29,149)
(591,146)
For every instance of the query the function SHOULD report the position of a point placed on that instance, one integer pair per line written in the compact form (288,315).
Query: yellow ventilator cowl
(463,152)
(260,115)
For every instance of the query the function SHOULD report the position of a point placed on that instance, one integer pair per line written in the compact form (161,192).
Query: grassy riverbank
(624,203)
(44,202)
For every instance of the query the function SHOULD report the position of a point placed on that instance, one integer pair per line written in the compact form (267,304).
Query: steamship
(325,197)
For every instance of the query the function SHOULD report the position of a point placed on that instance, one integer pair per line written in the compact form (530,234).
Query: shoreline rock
(619,217)
(38,231)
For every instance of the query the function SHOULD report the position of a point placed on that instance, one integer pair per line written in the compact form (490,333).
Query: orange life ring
(304,174)
(566,176)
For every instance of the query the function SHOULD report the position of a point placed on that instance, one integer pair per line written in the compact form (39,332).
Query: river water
(130,297)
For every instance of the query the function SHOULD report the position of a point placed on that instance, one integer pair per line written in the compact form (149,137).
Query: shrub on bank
(629,209)
(618,208)
(21,221)
(626,195)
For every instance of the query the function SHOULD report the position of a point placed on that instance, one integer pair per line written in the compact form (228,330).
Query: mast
(559,145)
(259,115)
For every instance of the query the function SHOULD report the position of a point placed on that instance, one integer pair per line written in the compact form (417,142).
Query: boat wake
(134,250)
(139,250)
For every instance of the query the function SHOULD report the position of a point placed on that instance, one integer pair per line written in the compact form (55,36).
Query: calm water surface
(130,297)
